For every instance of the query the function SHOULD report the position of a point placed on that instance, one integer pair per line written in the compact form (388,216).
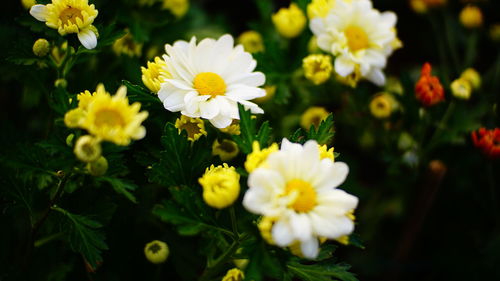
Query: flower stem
(441,125)
(219,262)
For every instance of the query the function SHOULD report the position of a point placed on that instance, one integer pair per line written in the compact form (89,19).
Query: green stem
(47,239)
(219,262)
(441,50)
(234,223)
(451,41)
(441,125)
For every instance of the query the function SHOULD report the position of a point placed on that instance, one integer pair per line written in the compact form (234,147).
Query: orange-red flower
(428,89)
(488,141)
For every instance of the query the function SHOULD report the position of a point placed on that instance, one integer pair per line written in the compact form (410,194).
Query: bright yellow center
(209,83)
(356,38)
(109,117)
(306,195)
(70,14)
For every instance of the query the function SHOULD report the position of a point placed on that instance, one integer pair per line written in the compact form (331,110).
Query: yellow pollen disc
(306,195)
(209,83)
(356,38)
(109,118)
(70,14)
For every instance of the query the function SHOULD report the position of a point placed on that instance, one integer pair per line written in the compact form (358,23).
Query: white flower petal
(332,174)
(39,12)
(220,121)
(282,234)
(310,248)
(301,226)
(343,66)
(376,76)
(209,109)
(88,38)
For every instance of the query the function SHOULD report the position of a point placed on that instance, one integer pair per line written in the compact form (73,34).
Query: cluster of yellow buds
(463,87)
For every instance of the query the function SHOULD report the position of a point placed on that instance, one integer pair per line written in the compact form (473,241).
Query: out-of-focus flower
(495,32)
(312,45)
(473,77)
(107,117)
(59,53)
(241,263)
(298,191)
(313,116)
(221,186)
(41,47)
(360,37)
(98,167)
(258,156)
(233,129)
(177,7)
(317,68)
(270,91)
(406,141)
(320,8)
(461,88)
(61,82)
(428,89)
(88,149)
(422,6)
(156,251)
(27,4)
(221,76)
(394,85)
(234,274)
(488,141)
(324,152)
(226,149)
(382,105)
(194,127)
(410,158)
(289,22)
(69,16)
(471,17)
(127,45)
(155,74)
(350,80)
(251,41)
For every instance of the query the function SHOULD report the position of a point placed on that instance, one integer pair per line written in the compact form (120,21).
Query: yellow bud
(41,47)
(289,22)
(495,32)
(27,4)
(194,127)
(317,68)
(74,118)
(313,116)
(69,139)
(382,105)
(156,251)
(61,83)
(461,89)
(99,167)
(241,263)
(418,6)
(258,156)
(221,186)
(234,274)
(251,41)
(226,149)
(474,78)
(177,7)
(471,17)
(88,148)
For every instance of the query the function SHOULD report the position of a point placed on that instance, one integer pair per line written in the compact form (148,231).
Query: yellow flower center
(70,14)
(108,117)
(306,195)
(209,83)
(356,38)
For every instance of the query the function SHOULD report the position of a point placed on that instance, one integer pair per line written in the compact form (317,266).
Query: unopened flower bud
(88,149)
(156,251)
(41,47)
(98,167)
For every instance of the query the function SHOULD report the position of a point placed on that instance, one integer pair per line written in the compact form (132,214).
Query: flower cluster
(488,141)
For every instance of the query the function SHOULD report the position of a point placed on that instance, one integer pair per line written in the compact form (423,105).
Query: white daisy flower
(298,191)
(359,36)
(209,79)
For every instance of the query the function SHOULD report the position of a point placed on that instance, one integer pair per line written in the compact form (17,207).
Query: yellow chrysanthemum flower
(88,149)
(258,157)
(289,22)
(317,68)
(319,8)
(234,274)
(155,74)
(127,45)
(226,149)
(251,41)
(461,88)
(70,16)
(107,117)
(471,17)
(221,186)
(194,127)
(41,47)
(382,105)
(325,153)
(233,128)
(474,78)
(156,251)
(177,7)
(313,116)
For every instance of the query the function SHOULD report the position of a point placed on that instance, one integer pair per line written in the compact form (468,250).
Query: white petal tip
(88,39)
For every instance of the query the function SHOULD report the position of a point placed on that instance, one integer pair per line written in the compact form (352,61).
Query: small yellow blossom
(317,68)
(313,116)
(28,3)
(221,186)
(194,127)
(241,263)
(324,152)
(270,91)
(177,7)
(382,105)
(226,149)
(234,274)
(156,251)
(461,89)
(422,6)
(155,74)
(127,45)
(474,78)
(289,21)
(233,128)
(258,157)
(319,8)
(265,226)
(350,80)
(99,167)
(69,16)
(495,32)
(41,47)
(471,17)
(88,148)
(251,41)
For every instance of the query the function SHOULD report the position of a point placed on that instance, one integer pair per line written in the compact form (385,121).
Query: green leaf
(84,236)
(249,134)
(137,93)
(323,271)
(324,133)
(121,186)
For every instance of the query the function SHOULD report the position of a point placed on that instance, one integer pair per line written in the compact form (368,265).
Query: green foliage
(121,186)
(249,134)
(324,271)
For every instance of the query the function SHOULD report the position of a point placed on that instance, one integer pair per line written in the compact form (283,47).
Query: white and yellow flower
(209,79)
(359,36)
(69,16)
(296,190)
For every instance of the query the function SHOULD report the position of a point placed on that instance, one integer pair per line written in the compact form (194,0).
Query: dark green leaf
(323,271)
(121,186)
(324,133)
